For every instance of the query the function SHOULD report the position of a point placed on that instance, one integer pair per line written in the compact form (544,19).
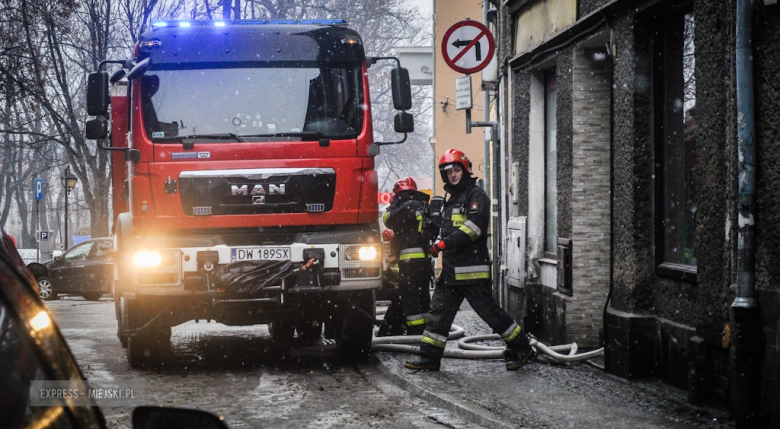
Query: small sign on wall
(463,93)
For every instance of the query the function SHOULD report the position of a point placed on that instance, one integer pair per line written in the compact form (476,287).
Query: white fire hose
(466,350)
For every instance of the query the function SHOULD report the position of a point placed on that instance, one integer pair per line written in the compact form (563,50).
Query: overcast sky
(425,6)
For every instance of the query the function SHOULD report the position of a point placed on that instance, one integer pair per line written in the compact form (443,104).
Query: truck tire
(282,333)
(309,331)
(146,348)
(353,339)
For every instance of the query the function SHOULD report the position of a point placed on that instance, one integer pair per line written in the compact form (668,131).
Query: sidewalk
(546,396)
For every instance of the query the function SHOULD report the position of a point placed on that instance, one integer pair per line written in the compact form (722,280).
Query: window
(550,167)
(675,155)
(79,252)
(256,101)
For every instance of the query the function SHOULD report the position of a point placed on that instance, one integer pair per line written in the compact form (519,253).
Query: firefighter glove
(388,234)
(437,247)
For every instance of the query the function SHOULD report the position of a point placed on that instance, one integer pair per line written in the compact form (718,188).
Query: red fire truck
(244,150)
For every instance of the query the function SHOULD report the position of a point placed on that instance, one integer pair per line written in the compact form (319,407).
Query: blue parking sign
(38,189)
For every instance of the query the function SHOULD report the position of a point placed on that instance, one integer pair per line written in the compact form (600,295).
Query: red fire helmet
(453,156)
(404,184)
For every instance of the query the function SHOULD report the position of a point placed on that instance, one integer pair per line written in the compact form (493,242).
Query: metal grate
(359,270)
(171,272)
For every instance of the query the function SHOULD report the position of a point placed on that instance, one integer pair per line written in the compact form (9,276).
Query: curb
(456,406)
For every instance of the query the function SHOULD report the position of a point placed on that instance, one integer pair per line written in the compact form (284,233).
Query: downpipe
(747,348)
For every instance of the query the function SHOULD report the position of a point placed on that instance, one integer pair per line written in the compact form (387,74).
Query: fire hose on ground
(466,350)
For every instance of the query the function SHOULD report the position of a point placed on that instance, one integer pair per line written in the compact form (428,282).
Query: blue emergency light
(185,24)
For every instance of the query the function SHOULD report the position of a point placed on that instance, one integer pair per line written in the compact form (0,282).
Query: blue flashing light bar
(323,22)
(179,23)
(250,22)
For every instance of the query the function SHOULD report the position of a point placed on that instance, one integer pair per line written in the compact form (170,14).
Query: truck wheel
(357,330)
(309,331)
(148,348)
(282,333)
(145,348)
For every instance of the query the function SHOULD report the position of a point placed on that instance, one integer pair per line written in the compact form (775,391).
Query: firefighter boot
(518,352)
(423,363)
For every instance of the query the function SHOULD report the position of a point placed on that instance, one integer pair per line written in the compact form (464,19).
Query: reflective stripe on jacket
(465,218)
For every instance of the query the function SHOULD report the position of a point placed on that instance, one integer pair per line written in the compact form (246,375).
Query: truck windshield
(249,103)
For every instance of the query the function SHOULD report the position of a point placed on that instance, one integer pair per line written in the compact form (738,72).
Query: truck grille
(257,191)
(358,270)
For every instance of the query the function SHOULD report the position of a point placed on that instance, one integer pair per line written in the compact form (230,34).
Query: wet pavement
(235,372)
(547,396)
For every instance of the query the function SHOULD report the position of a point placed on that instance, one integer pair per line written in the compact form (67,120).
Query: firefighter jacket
(465,222)
(406,217)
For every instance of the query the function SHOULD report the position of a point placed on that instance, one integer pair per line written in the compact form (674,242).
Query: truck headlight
(147,259)
(361,253)
(367,253)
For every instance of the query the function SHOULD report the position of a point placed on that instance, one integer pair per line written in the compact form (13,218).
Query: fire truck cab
(238,146)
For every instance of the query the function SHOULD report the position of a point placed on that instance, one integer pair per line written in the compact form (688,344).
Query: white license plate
(260,253)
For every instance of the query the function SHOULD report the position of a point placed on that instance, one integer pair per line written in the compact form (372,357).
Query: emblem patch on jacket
(474,206)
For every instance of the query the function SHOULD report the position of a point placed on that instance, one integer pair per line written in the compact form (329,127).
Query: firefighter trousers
(409,304)
(444,306)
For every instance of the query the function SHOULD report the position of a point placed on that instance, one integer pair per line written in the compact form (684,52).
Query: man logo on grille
(257,190)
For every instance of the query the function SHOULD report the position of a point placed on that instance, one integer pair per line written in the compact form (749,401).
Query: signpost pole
(38,227)
(38,197)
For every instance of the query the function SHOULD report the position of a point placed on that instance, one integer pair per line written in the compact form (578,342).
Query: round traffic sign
(467,46)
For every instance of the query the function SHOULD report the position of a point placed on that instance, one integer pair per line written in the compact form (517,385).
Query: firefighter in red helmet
(466,269)
(406,218)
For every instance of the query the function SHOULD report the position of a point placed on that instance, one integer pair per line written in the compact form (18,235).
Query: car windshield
(306,101)
(79,252)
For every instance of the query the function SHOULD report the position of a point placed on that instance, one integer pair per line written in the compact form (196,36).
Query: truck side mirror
(139,69)
(404,122)
(97,94)
(97,129)
(117,76)
(402,88)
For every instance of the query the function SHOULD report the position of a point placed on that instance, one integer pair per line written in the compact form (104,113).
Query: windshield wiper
(302,134)
(220,136)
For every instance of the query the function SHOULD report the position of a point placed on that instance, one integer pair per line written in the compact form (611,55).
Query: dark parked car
(87,269)
(32,349)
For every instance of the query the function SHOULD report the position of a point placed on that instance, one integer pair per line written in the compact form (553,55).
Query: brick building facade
(620,129)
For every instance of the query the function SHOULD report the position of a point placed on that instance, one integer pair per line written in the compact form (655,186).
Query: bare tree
(47,48)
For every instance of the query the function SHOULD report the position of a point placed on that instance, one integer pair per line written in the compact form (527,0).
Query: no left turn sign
(468,46)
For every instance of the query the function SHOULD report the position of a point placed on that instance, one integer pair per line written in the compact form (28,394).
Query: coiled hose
(466,350)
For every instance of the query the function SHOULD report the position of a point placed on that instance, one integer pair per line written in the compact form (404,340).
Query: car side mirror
(404,123)
(402,88)
(164,417)
(59,258)
(36,269)
(97,94)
